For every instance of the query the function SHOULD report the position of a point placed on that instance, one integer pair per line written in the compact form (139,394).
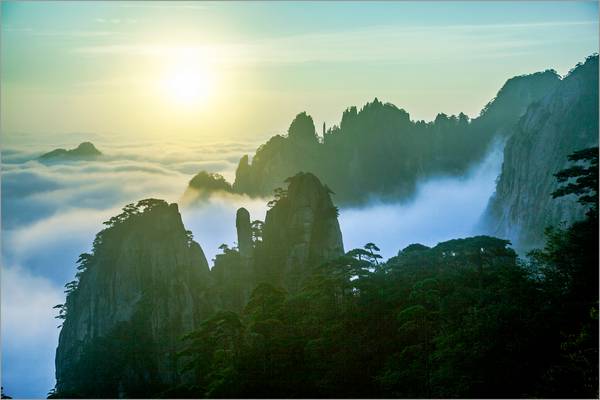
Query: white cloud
(29,332)
(213,221)
(51,213)
(443,208)
(76,226)
(56,210)
(27,313)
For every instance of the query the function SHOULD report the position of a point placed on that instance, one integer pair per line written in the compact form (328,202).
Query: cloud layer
(51,213)
(443,208)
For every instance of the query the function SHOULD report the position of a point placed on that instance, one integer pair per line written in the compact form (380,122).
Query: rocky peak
(516,95)
(140,289)
(301,230)
(244,232)
(564,121)
(302,128)
(85,150)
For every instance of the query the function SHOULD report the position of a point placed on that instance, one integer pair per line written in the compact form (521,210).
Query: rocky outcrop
(244,233)
(140,290)
(232,272)
(562,122)
(301,231)
(85,151)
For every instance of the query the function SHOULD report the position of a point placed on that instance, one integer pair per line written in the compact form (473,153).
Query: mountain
(301,230)
(135,295)
(203,184)
(563,121)
(85,151)
(379,151)
(147,284)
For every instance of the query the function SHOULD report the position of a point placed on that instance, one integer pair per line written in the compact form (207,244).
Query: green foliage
(210,182)
(567,269)
(465,318)
(279,195)
(114,225)
(585,185)
(302,128)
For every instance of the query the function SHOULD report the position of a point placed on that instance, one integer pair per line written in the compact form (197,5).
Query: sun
(188,83)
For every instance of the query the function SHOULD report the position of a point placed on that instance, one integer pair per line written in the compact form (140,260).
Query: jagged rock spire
(244,232)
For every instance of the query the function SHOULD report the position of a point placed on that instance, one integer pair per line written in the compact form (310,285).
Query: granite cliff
(563,121)
(140,290)
(301,230)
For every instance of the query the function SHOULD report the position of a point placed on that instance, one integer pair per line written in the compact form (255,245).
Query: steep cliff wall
(244,233)
(137,294)
(301,230)
(564,121)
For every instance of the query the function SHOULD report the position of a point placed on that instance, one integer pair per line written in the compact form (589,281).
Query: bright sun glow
(188,82)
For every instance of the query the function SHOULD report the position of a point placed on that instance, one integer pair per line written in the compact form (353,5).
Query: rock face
(232,272)
(137,294)
(244,233)
(85,151)
(301,230)
(563,121)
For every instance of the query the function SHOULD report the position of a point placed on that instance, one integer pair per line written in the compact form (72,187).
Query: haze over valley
(299,200)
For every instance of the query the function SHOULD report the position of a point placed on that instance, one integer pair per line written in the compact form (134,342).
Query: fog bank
(443,208)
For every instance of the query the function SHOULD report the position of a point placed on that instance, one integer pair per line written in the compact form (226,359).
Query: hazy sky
(141,78)
(127,68)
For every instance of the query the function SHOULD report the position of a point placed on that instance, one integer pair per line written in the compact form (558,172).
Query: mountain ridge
(85,151)
(379,137)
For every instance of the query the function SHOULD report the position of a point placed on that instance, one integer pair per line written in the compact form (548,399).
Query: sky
(166,90)
(113,67)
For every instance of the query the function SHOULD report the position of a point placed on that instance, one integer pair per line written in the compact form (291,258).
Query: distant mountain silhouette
(85,151)
(378,151)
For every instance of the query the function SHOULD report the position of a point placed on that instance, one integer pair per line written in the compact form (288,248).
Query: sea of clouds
(51,213)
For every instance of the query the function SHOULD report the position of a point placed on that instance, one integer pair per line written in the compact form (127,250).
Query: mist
(51,214)
(442,208)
